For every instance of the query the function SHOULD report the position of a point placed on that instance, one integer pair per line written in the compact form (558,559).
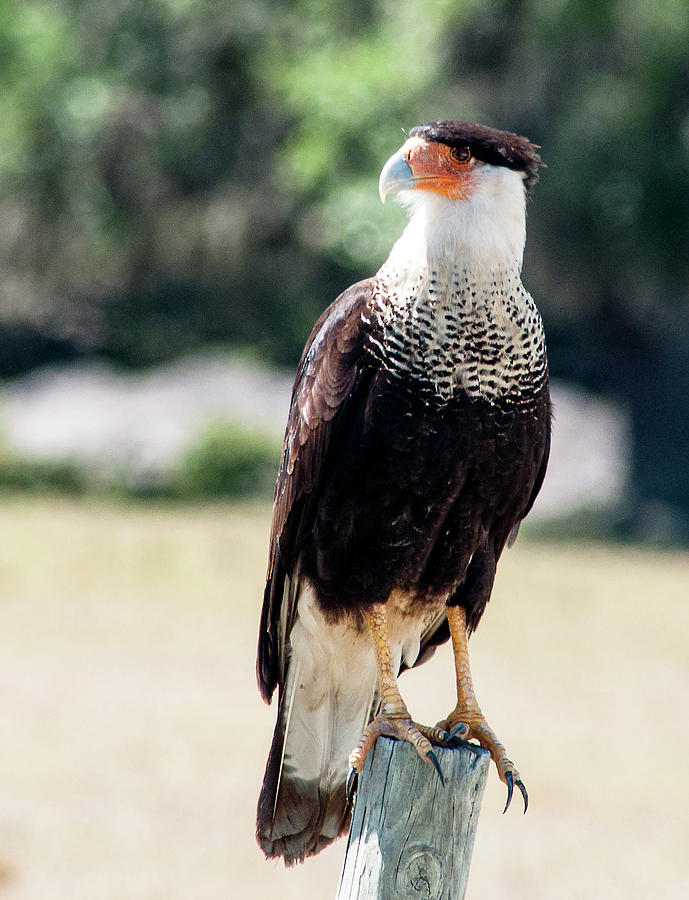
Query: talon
(434,759)
(520,785)
(393,719)
(434,734)
(509,779)
(352,778)
(469,721)
(460,728)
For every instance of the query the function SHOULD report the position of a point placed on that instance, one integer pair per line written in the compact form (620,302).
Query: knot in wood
(420,873)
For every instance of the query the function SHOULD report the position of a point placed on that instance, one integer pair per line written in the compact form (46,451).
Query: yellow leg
(466,720)
(393,719)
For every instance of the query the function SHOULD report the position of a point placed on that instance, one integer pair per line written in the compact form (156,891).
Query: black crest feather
(499,148)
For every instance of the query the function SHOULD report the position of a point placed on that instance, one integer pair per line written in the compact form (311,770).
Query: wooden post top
(410,837)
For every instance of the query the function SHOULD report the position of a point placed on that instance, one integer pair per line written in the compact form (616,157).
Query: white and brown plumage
(417,440)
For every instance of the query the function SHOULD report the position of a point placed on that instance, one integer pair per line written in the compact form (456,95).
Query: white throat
(482,234)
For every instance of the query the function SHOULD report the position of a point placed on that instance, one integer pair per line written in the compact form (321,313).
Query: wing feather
(538,483)
(331,367)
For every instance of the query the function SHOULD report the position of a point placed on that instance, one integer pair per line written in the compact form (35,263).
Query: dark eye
(460,154)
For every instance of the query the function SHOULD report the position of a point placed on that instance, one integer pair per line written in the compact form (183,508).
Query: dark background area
(178,175)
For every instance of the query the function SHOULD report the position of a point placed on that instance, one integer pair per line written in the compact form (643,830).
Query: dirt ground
(132,737)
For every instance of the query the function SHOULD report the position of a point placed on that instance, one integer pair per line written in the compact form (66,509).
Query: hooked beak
(396,176)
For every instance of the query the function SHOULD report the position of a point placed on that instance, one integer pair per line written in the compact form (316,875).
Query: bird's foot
(402,728)
(470,724)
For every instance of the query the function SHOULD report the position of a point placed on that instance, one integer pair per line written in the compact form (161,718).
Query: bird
(417,439)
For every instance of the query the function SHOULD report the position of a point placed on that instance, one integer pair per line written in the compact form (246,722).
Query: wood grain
(410,837)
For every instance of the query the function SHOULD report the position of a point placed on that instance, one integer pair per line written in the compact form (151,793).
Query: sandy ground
(132,738)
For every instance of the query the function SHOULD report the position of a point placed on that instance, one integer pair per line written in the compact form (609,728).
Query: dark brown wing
(329,371)
(538,484)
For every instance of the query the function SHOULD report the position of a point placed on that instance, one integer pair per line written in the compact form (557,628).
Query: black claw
(352,778)
(459,729)
(520,785)
(434,759)
(509,778)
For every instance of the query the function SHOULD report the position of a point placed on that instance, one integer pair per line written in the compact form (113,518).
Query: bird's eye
(460,154)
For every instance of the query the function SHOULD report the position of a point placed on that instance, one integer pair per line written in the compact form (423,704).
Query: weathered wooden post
(410,837)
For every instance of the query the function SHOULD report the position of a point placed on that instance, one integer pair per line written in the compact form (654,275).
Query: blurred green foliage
(22,475)
(174,173)
(227,460)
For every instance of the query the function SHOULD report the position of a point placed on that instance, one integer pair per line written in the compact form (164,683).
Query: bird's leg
(393,719)
(466,720)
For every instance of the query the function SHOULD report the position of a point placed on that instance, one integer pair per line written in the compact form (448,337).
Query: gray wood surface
(410,837)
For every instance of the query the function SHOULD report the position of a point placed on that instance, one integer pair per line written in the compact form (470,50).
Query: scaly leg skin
(393,719)
(466,720)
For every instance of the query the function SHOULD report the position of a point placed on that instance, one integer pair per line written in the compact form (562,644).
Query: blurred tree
(174,173)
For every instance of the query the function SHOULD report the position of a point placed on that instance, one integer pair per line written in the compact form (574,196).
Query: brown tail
(297,816)
(327,699)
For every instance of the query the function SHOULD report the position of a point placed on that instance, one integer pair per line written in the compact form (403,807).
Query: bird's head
(456,158)
(470,178)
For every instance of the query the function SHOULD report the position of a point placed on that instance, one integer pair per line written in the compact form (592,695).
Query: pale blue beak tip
(396,176)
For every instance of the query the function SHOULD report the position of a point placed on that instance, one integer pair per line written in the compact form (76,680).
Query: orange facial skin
(435,168)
